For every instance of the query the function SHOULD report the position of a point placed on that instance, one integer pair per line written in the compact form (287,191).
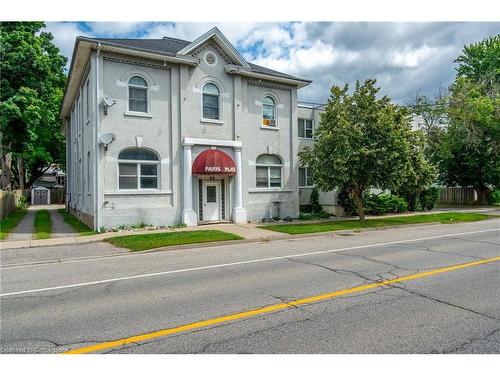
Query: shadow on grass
(443,218)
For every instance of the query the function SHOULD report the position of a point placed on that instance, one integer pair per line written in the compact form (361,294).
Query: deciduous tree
(470,153)
(31,89)
(363,142)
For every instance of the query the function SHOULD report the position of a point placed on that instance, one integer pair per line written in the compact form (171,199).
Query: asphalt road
(57,299)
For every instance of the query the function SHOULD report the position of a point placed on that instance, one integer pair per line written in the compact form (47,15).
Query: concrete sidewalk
(247,231)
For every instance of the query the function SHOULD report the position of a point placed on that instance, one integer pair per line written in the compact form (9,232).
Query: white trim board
(210,142)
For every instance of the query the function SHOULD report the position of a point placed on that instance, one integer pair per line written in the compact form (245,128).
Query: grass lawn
(43,225)
(153,240)
(444,218)
(8,223)
(76,224)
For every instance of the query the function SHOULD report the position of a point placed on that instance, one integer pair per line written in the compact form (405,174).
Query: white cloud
(411,58)
(402,56)
(65,34)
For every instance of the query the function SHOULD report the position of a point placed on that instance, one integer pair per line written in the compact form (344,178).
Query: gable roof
(175,47)
(164,49)
(215,33)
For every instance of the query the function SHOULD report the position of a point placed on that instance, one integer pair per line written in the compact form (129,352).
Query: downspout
(96,142)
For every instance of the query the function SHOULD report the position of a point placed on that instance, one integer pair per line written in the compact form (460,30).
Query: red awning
(214,162)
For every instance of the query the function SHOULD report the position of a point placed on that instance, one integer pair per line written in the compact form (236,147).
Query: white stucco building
(164,131)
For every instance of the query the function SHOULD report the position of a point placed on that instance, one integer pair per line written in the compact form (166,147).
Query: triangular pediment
(215,39)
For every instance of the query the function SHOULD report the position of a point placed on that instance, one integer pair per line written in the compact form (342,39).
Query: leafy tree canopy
(480,62)
(31,89)
(470,152)
(365,142)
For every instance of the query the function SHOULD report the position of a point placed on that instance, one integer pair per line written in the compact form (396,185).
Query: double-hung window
(269,112)
(138,169)
(306,128)
(211,101)
(138,95)
(268,171)
(305,178)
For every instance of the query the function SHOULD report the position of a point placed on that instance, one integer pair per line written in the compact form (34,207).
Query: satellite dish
(108,102)
(107,138)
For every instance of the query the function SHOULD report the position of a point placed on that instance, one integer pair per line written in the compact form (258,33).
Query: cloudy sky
(403,57)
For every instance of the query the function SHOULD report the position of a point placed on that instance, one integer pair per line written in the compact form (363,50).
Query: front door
(211,200)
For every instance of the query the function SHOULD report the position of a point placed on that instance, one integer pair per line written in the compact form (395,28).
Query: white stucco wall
(175,113)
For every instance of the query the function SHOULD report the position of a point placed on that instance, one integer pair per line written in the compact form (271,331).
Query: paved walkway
(59,227)
(24,229)
(247,231)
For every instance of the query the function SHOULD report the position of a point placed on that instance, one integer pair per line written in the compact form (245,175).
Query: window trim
(138,164)
(211,120)
(306,178)
(305,133)
(269,166)
(129,112)
(270,127)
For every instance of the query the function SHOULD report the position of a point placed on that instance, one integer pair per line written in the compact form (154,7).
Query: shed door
(40,197)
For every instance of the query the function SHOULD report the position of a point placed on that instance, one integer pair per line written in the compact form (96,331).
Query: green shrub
(429,197)
(23,202)
(374,204)
(314,215)
(314,201)
(494,197)
(305,208)
(380,204)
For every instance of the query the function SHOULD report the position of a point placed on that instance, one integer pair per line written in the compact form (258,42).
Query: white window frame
(211,120)
(138,164)
(269,166)
(305,128)
(271,127)
(308,178)
(129,112)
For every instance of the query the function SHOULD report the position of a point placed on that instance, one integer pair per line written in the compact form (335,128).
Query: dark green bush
(314,201)
(380,204)
(495,197)
(374,204)
(429,197)
(305,208)
(23,202)
(314,215)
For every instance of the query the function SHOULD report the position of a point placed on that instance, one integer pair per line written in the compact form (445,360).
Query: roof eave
(231,69)
(222,41)
(84,44)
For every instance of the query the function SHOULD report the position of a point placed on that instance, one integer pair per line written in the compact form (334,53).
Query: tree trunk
(5,183)
(357,196)
(21,172)
(482,194)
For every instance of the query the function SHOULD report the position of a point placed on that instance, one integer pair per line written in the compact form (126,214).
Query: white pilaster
(239,213)
(189,216)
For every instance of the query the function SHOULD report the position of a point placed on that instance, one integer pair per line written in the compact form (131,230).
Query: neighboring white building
(166,131)
(53,177)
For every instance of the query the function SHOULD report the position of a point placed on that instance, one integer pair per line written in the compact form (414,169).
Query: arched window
(268,171)
(211,102)
(269,112)
(138,169)
(138,95)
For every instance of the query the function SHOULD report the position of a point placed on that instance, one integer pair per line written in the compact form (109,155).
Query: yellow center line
(271,308)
